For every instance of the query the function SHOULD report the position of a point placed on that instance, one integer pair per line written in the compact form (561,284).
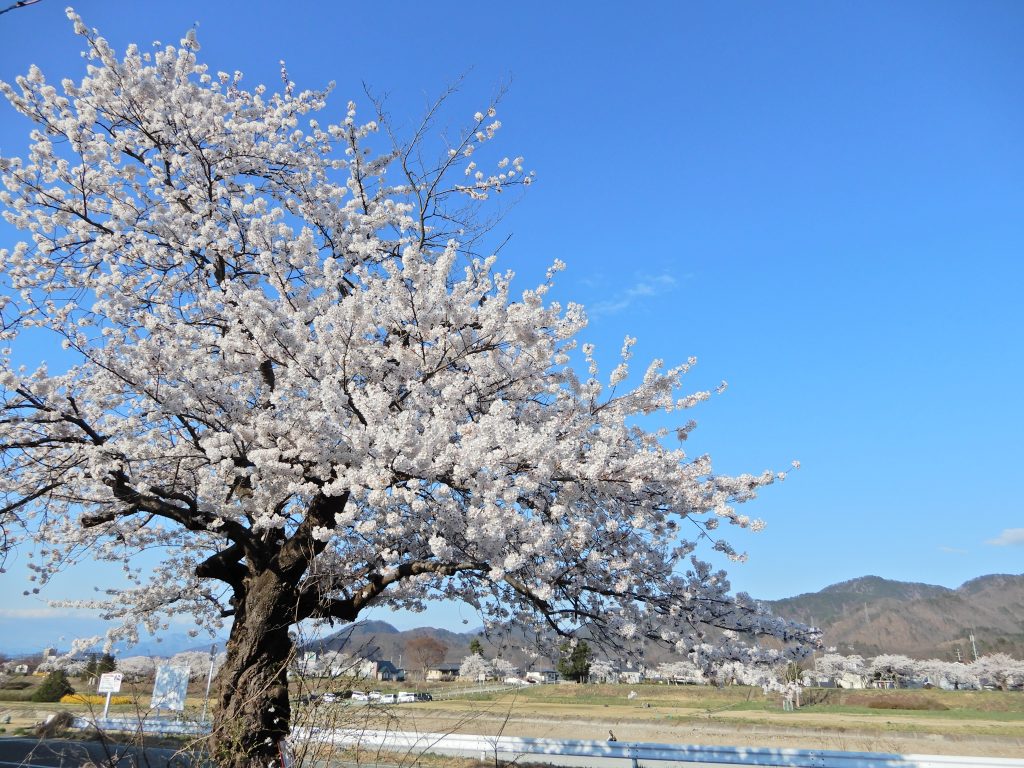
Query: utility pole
(974,646)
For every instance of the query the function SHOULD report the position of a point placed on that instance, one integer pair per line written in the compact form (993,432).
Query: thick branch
(298,552)
(188,516)
(225,566)
(314,604)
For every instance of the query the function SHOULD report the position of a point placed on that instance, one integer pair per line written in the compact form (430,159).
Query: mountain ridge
(870,615)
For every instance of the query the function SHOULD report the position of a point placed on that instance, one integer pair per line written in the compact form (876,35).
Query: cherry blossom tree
(893,667)
(601,671)
(137,667)
(999,669)
(289,372)
(475,667)
(835,666)
(66,664)
(503,668)
(736,672)
(198,663)
(949,674)
(681,672)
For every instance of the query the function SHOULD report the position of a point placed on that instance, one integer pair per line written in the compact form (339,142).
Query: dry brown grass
(918,703)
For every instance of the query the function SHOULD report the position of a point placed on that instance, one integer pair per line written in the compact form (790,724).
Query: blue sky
(824,202)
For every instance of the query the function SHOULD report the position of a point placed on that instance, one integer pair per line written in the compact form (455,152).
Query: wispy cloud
(1011,537)
(642,287)
(953,550)
(44,612)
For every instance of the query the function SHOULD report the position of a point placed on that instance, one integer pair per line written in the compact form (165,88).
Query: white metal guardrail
(151,726)
(639,753)
(635,754)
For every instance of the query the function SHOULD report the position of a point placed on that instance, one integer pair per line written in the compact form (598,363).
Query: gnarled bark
(251,711)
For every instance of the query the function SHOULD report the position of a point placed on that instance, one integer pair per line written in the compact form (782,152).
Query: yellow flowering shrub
(94,698)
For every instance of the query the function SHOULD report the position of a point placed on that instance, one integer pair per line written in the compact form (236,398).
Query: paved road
(56,753)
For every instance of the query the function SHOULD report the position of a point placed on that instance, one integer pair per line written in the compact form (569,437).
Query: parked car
(360,696)
(405,697)
(374,695)
(423,697)
(388,698)
(333,696)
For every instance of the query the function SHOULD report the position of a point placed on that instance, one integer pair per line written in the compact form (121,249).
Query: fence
(463,692)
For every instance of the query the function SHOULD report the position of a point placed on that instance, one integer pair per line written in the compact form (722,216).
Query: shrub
(55,726)
(53,688)
(93,698)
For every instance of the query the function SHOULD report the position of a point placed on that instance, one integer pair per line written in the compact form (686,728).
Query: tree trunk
(251,710)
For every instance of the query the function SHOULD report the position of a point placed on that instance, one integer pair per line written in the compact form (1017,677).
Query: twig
(19,4)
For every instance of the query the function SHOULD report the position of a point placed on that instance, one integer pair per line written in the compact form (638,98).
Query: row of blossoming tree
(997,670)
(292,372)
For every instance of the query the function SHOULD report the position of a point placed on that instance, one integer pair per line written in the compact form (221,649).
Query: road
(56,753)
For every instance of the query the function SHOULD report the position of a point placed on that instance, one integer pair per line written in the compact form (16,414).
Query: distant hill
(380,640)
(872,615)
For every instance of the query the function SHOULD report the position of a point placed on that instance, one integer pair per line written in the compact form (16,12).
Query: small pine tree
(475,648)
(574,663)
(54,687)
(98,664)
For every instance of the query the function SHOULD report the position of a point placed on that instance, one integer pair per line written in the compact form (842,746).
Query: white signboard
(110,682)
(170,687)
